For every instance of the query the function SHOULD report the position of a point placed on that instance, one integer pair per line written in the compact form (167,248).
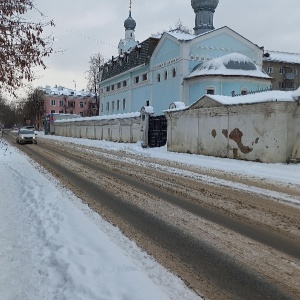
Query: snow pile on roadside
(52,246)
(279,173)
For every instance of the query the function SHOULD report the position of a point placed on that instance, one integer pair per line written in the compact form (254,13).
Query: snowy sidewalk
(54,247)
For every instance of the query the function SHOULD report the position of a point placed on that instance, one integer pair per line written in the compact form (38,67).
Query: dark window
(174,72)
(158,77)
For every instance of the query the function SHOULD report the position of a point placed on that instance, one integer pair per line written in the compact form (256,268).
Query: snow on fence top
(98,118)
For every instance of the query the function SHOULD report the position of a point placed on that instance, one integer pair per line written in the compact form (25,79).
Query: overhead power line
(85,36)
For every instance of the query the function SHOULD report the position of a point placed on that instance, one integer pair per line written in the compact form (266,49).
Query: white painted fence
(125,129)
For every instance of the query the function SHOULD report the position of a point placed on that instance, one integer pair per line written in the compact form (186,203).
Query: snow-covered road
(54,247)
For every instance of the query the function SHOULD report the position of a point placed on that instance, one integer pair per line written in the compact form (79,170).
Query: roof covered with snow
(233,64)
(270,96)
(60,90)
(181,35)
(177,106)
(286,57)
(259,97)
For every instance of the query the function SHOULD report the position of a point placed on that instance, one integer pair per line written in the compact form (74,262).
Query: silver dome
(210,5)
(129,23)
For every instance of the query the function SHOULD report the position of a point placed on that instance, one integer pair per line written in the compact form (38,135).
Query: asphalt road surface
(225,243)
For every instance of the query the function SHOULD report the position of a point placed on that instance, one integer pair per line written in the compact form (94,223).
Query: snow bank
(52,246)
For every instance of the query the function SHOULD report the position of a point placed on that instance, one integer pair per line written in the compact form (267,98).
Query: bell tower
(129,40)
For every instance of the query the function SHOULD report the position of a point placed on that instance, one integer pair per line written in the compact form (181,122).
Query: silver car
(26,136)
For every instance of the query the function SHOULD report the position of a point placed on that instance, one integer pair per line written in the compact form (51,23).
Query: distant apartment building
(284,68)
(60,100)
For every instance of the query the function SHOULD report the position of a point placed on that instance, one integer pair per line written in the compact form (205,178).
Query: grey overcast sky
(87,27)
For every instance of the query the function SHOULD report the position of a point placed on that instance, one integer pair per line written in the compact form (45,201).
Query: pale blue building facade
(180,67)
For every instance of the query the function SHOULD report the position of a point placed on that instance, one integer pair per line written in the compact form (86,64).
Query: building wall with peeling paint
(265,132)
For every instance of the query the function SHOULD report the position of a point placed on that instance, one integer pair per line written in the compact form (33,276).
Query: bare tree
(94,76)
(94,73)
(7,113)
(178,27)
(22,45)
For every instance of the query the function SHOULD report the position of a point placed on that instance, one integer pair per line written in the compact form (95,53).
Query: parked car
(26,136)
(31,127)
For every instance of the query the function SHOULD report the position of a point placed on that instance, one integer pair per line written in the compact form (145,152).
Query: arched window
(174,72)
(166,75)
(158,77)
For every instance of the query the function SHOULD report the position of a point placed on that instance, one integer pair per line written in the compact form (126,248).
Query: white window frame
(166,75)
(244,90)
(210,88)
(158,77)
(174,72)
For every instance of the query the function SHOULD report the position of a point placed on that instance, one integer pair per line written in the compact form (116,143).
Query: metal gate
(157,135)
